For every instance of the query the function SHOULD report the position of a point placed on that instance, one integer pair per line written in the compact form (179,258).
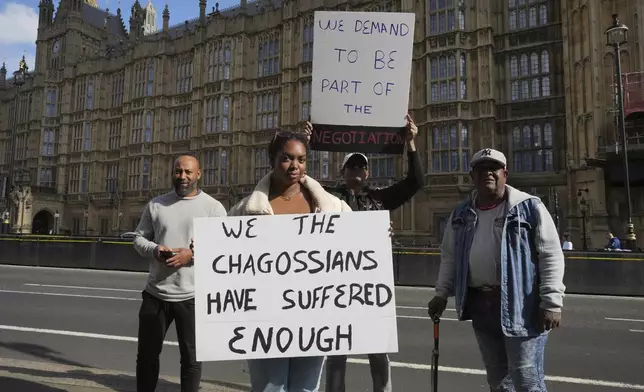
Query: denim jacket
(532,262)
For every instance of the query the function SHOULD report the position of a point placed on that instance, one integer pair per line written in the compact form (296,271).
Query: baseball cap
(488,154)
(355,155)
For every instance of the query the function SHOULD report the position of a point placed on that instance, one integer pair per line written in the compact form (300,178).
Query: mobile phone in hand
(166,254)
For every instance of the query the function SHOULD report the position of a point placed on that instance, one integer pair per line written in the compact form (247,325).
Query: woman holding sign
(287,190)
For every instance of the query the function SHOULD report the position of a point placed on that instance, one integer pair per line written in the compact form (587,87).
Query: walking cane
(436,320)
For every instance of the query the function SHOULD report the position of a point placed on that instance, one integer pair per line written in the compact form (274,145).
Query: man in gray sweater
(164,237)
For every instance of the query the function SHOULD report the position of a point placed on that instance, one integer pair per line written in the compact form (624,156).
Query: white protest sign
(294,285)
(361,68)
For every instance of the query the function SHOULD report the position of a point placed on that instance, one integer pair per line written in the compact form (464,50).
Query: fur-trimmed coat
(257,202)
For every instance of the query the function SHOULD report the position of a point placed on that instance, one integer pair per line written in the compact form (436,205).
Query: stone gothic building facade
(110,104)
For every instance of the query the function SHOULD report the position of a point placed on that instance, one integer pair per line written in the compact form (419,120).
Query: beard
(183,189)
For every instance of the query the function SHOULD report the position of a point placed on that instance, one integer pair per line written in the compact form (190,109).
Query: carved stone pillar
(23,201)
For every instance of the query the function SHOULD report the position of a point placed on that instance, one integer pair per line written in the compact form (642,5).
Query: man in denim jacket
(501,260)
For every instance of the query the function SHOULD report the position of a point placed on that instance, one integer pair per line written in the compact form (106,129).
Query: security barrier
(605,273)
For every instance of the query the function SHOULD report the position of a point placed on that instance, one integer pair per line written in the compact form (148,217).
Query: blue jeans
(513,364)
(300,374)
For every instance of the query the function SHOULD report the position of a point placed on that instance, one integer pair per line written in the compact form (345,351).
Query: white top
(485,253)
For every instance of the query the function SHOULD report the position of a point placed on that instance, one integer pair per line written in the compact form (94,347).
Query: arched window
(148,127)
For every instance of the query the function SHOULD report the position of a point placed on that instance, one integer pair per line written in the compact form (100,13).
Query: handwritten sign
(361,76)
(294,285)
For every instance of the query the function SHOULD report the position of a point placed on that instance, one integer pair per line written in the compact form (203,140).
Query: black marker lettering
(348,336)
(268,263)
(355,289)
(351,260)
(301,218)
(211,301)
(299,261)
(284,270)
(326,295)
(291,303)
(250,265)
(264,341)
(308,346)
(233,299)
(340,296)
(231,232)
(281,346)
(316,223)
(249,225)
(318,340)
(367,255)
(248,300)
(329,227)
(312,255)
(238,336)
(232,265)
(214,265)
(368,288)
(380,301)
(338,261)
(341,293)
(309,299)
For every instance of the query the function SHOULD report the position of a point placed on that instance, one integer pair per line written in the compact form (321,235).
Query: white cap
(488,154)
(351,155)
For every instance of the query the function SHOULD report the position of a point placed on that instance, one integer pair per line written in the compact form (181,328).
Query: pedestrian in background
(164,237)
(567,244)
(613,242)
(502,261)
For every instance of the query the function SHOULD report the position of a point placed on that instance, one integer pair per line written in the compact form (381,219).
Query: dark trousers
(336,369)
(155,316)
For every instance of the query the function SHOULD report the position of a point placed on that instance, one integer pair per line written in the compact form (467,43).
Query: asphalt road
(89,319)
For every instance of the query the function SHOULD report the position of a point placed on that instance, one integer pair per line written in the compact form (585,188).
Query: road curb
(97,379)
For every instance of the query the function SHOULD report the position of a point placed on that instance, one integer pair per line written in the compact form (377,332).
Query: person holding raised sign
(361,197)
(287,190)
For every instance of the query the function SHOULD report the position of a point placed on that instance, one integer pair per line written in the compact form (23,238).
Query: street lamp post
(616,36)
(19,79)
(583,207)
(86,221)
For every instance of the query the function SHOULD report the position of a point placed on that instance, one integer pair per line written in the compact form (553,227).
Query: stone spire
(3,75)
(166,18)
(202,12)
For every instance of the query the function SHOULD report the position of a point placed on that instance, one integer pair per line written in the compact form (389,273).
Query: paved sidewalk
(28,376)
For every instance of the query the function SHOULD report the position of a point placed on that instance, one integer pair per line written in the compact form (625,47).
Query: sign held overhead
(361,79)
